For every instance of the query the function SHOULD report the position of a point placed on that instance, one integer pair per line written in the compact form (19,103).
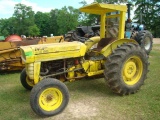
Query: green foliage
(60,21)
(150,10)
(4,32)
(6,26)
(34,30)
(67,19)
(53,21)
(57,22)
(25,21)
(42,22)
(24,18)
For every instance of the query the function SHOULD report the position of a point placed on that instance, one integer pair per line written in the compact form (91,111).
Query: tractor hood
(53,51)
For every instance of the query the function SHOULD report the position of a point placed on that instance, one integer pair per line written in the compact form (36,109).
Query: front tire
(49,97)
(126,69)
(26,83)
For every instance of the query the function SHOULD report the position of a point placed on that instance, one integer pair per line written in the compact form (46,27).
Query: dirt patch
(78,110)
(83,109)
(89,109)
(156,40)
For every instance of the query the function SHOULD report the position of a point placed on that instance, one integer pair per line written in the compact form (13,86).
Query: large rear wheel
(49,97)
(126,69)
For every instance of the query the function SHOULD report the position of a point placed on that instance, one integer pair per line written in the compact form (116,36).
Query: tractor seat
(103,42)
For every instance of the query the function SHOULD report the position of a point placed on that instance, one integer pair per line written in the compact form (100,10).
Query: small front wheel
(25,81)
(49,97)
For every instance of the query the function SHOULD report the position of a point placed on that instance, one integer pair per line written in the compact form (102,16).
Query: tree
(34,30)
(42,20)
(4,32)
(24,17)
(150,12)
(3,25)
(67,19)
(53,21)
(7,26)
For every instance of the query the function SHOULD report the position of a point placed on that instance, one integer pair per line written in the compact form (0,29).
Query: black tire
(74,36)
(40,99)
(145,40)
(71,36)
(126,69)
(24,82)
(134,35)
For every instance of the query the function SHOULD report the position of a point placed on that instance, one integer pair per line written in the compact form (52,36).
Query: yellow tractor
(47,66)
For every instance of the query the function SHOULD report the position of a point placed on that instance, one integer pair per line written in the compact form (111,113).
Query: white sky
(7,6)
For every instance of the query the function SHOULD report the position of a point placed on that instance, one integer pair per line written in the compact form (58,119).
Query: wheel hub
(130,69)
(50,99)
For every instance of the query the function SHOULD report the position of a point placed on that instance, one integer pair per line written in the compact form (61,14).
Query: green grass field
(90,99)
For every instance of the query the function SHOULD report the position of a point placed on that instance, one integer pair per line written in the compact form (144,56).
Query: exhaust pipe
(129,10)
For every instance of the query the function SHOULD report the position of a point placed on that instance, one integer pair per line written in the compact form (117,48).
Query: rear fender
(92,41)
(106,51)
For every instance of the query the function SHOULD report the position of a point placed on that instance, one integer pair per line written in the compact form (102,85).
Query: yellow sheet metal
(53,51)
(100,8)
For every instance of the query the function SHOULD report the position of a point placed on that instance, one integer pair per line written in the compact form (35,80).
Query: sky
(7,6)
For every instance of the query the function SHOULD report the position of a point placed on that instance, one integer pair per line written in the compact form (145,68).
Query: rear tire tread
(113,67)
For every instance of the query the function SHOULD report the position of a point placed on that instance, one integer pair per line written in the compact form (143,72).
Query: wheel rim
(29,82)
(50,99)
(147,43)
(132,70)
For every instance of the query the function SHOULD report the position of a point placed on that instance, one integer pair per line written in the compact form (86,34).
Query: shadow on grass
(10,72)
(91,86)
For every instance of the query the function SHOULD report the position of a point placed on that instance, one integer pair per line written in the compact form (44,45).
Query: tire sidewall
(37,92)
(141,36)
(137,85)
(143,42)
(24,83)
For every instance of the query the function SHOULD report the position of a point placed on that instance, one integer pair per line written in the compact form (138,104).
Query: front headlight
(23,56)
(27,54)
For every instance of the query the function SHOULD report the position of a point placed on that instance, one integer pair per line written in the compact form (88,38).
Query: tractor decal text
(41,50)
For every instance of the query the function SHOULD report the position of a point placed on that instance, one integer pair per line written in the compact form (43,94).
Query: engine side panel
(55,51)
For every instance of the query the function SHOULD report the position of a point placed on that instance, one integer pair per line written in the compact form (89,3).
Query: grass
(90,99)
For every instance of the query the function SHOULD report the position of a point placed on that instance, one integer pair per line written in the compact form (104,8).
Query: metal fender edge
(106,51)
